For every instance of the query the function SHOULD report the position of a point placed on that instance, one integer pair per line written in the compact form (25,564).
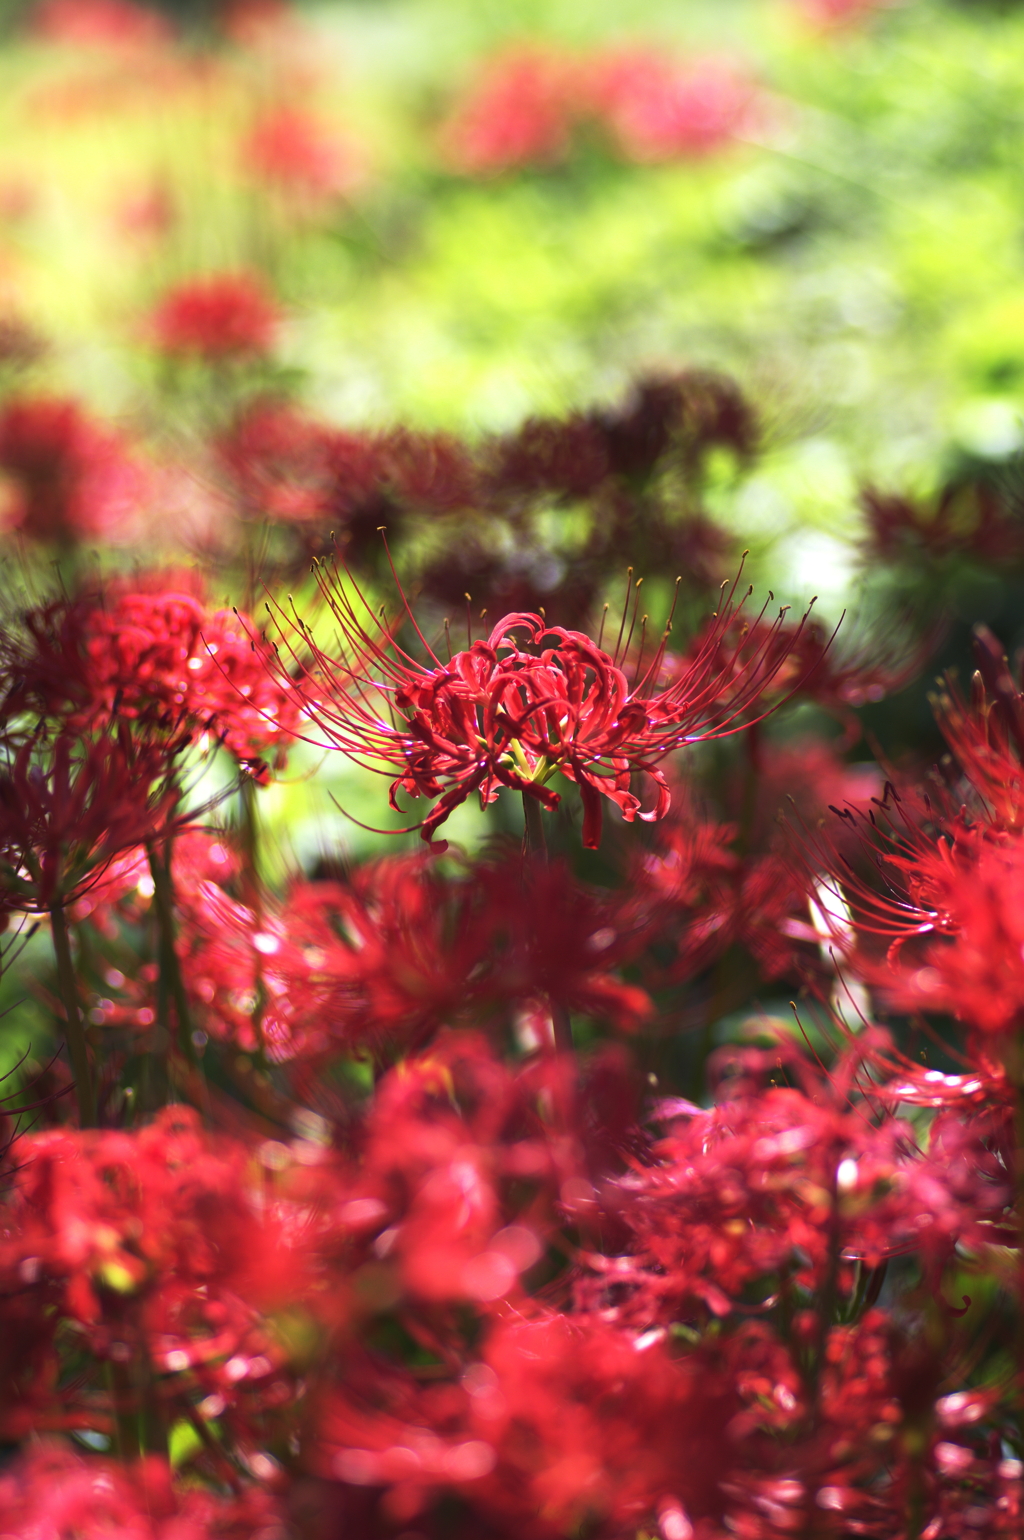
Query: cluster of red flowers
(530,105)
(385,1211)
(474,518)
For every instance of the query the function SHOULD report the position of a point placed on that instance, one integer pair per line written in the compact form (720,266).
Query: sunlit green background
(858,268)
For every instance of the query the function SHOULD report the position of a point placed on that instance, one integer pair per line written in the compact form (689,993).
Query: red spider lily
(458,1176)
(705,896)
(153,654)
(225,316)
(659,108)
(784,1181)
(802,658)
(947,873)
(160,1247)
(52,1491)
(707,885)
(505,713)
(99,23)
(282,465)
(380,963)
(70,478)
(430,471)
(986,734)
(693,411)
(950,911)
(290,150)
(559,1420)
(519,114)
(966,520)
(69,808)
(545,454)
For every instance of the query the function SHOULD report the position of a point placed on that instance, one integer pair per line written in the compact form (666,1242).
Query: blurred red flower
(288,148)
(519,113)
(658,108)
(68,476)
(152,653)
(226,315)
(99,23)
(51,1490)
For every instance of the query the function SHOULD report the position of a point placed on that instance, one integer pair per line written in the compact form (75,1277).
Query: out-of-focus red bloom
(67,476)
(283,465)
(289,467)
(658,108)
(784,1179)
(225,316)
(458,1175)
(68,808)
(941,868)
(99,23)
(985,735)
(383,961)
(160,1243)
(708,885)
(431,471)
(511,713)
(559,1421)
(518,114)
(839,13)
(147,212)
(612,1415)
(20,343)
(949,910)
(692,412)
(55,1492)
(568,458)
(966,520)
(803,657)
(252,22)
(289,149)
(154,654)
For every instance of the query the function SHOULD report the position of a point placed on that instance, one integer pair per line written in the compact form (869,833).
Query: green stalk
(535,848)
(125,1418)
(172,985)
(78,1048)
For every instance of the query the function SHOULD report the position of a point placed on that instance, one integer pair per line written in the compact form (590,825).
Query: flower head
(151,653)
(68,808)
(529,701)
(520,113)
(227,315)
(69,477)
(658,108)
(100,23)
(290,150)
(52,1490)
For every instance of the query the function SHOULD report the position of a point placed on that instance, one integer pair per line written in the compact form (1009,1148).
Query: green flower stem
(172,984)
(78,1048)
(535,848)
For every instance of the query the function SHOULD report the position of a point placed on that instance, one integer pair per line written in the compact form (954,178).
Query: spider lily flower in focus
(531,700)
